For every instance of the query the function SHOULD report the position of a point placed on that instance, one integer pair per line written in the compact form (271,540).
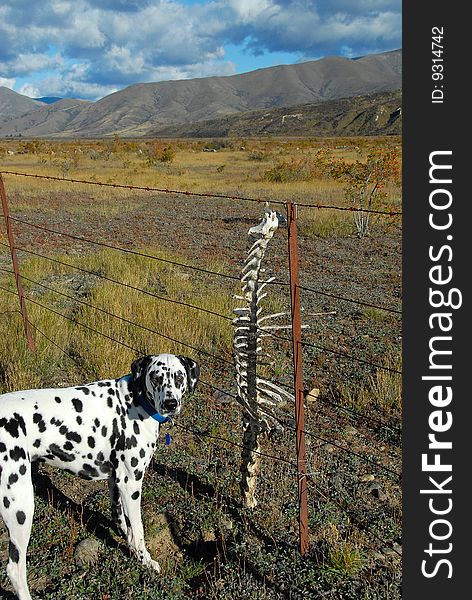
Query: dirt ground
(212,233)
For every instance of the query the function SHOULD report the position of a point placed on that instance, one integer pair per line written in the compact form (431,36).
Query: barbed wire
(356,414)
(205,383)
(360,415)
(362,303)
(126,250)
(201,194)
(353,517)
(127,285)
(110,314)
(192,267)
(349,356)
(390,213)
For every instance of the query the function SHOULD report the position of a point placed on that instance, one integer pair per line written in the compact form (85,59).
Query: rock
(397,548)
(312,395)
(351,430)
(87,552)
(366,478)
(377,491)
(222,397)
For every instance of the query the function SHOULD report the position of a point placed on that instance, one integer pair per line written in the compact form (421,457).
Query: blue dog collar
(148,407)
(151,411)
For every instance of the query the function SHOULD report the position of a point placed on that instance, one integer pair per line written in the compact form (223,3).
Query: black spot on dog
(57,399)
(91,470)
(37,443)
(131,442)
(21,422)
(10,425)
(6,502)
(16,453)
(127,521)
(111,391)
(59,453)
(63,430)
(97,423)
(142,453)
(138,474)
(136,428)
(135,495)
(134,462)
(38,419)
(78,404)
(83,389)
(75,437)
(109,402)
(2,447)
(20,517)
(13,552)
(114,459)
(22,470)
(91,441)
(79,420)
(121,443)
(68,446)
(105,467)
(104,431)
(13,478)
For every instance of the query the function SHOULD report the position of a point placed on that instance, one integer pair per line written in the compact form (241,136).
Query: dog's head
(164,379)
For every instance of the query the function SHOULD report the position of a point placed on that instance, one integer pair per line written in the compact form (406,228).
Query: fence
(297,342)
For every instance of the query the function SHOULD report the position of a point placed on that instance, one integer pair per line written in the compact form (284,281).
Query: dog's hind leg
(17,508)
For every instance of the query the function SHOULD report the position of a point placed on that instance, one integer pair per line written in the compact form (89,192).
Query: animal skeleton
(258,397)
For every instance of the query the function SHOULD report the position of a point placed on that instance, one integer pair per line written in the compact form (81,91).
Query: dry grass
(231,169)
(382,390)
(100,356)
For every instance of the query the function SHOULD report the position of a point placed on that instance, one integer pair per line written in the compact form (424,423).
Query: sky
(91,48)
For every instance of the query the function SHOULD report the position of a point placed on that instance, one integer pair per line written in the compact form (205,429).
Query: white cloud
(7,82)
(29,90)
(98,45)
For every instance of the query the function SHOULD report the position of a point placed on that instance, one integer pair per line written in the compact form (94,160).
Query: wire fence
(367,420)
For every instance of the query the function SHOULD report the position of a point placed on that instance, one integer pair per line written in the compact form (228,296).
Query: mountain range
(156,108)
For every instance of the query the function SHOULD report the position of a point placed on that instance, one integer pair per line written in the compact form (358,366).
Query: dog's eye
(178,379)
(156,379)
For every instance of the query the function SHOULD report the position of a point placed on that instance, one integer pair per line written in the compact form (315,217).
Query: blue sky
(91,48)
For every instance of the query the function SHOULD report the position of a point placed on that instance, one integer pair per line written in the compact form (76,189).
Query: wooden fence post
(16,269)
(298,376)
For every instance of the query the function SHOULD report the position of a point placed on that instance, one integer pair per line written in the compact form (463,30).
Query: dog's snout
(170,404)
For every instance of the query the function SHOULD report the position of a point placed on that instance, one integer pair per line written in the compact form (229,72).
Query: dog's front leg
(129,490)
(116,506)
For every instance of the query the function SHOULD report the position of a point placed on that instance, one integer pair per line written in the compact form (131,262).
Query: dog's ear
(138,368)
(192,369)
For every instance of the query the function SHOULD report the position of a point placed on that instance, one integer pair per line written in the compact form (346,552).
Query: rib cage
(258,397)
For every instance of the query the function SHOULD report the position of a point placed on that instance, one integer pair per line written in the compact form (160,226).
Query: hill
(376,114)
(14,105)
(147,107)
(46,120)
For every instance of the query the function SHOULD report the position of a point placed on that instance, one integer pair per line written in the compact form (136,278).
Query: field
(209,546)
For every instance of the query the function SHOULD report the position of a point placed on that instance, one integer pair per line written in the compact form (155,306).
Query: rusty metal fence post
(298,376)
(16,269)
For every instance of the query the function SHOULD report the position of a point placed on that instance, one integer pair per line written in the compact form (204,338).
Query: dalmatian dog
(102,430)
